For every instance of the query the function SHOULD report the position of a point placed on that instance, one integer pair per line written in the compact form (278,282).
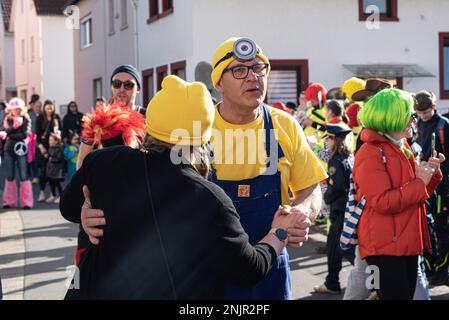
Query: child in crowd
(55,167)
(71,155)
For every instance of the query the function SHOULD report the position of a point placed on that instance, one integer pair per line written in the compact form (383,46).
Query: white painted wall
(107,51)
(9,74)
(327,33)
(2,55)
(57,61)
(120,44)
(90,63)
(8,84)
(167,40)
(26,24)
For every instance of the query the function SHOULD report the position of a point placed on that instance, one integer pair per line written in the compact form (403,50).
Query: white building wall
(328,34)
(7,77)
(90,62)
(9,74)
(107,51)
(121,44)
(57,61)
(2,56)
(169,39)
(26,25)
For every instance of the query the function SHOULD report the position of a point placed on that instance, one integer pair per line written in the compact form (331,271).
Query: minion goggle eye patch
(244,50)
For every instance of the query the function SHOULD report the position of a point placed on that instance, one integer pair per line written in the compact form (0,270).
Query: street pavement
(37,249)
(36,252)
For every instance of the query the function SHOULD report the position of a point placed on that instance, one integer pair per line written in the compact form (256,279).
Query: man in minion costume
(260,154)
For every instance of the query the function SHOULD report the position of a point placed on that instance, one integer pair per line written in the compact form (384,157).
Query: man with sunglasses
(245,127)
(125,86)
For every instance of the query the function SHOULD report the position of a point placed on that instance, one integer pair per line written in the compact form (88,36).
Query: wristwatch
(280,233)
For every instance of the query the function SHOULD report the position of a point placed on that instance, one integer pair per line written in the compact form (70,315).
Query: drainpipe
(105,48)
(136,40)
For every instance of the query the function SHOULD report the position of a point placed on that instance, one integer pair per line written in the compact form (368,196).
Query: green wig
(390,110)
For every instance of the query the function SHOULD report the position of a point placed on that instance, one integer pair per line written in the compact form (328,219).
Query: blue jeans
(10,165)
(422,289)
(356,288)
(35,169)
(1,290)
(335,254)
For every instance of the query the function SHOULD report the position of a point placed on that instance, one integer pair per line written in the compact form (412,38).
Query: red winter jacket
(393,221)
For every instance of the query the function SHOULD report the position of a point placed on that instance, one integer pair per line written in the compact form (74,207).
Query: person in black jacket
(46,123)
(169,233)
(339,170)
(55,167)
(72,122)
(14,130)
(432,126)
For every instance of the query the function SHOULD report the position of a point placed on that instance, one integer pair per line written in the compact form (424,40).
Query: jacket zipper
(384,159)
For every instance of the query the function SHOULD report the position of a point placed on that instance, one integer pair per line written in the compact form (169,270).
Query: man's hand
(299,233)
(436,160)
(91,219)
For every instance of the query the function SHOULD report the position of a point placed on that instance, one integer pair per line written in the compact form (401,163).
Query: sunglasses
(128,85)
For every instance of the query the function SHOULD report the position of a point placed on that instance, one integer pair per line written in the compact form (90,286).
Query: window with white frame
(98,89)
(86,33)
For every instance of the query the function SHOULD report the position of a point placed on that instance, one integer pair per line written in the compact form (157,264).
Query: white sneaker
(373,296)
(56,200)
(51,199)
(41,196)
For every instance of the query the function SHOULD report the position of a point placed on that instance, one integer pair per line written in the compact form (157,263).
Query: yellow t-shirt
(239,152)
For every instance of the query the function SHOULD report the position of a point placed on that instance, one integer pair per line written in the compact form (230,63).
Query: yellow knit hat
(181,113)
(353,85)
(221,52)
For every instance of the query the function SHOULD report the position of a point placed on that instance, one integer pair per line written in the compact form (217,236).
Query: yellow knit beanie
(353,85)
(181,113)
(221,52)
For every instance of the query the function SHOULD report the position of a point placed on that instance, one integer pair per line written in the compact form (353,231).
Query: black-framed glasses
(128,85)
(241,72)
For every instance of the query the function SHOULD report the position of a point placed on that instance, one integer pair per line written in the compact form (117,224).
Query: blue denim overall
(256,214)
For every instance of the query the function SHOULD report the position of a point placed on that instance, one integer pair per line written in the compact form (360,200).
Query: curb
(12,243)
